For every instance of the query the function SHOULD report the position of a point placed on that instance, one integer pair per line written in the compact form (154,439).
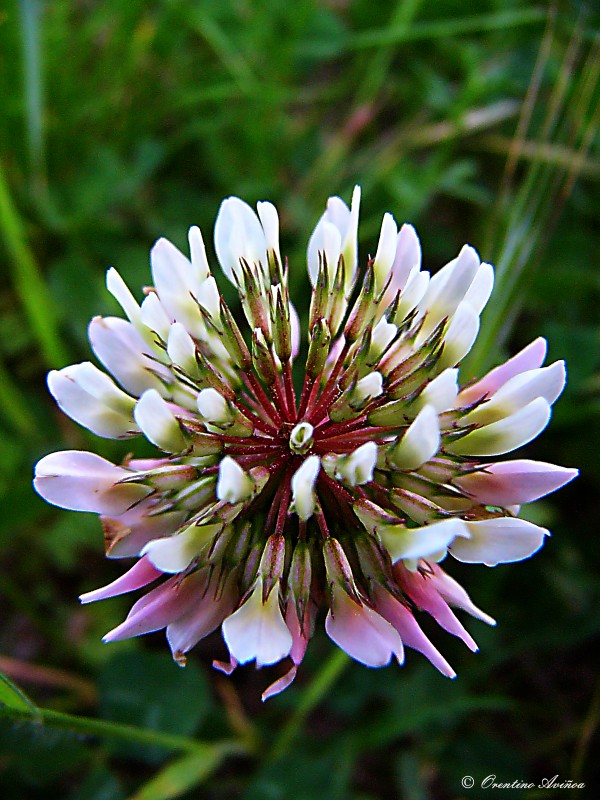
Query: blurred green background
(125,121)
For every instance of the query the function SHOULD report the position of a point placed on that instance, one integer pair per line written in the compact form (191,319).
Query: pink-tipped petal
(531,357)
(412,635)
(425,596)
(202,619)
(82,481)
(454,594)
(141,574)
(127,534)
(126,355)
(280,684)
(515,482)
(160,607)
(361,632)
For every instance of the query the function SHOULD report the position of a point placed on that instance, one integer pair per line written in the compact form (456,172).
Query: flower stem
(116,730)
(312,696)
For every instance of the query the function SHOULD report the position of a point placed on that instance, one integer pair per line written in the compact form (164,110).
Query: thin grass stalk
(30,12)
(535,207)
(29,282)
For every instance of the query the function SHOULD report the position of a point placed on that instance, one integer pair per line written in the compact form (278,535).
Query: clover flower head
(273,501)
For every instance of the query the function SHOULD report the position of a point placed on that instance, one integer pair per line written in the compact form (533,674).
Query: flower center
(301,438)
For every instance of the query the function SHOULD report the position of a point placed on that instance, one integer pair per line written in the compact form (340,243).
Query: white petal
(213,407)
(412,294)
(328,235)
(420,442)
(120,291)
(332,248)
(123,352)
(91,398)
(415,543)
(386,251)
(155,317)
(367,388)
(507,434)
(233,485)
(267,213)
(498,541)
(383,334)
(258,631)
(407,257)
(238,234)
(175,553)
(209,298)
(481,288)
(200,268)
(460,336)
(81,481)
(176,285)
(295,330)
(449,286)
(441,392)
(357,467)
(303,483)
(158,423)
(350,239)
(181,348)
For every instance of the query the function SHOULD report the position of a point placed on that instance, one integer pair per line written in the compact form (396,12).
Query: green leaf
(12,697)
(183,774)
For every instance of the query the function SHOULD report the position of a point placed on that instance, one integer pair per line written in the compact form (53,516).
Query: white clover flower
(279,494)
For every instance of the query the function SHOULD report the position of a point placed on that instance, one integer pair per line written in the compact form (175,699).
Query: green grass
(122,122)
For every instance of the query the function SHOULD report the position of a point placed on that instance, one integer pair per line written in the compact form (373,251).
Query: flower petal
(158,423)
(514,482)
(93,400)
(498,541)
(81,481)
(361,632)
(141,574)
(420,442)
(238,234)
(257,630)
(411,543)
(507,434)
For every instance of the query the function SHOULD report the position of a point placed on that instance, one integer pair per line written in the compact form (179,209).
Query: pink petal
(454,594)
(300,636)
(280,684)
(141,574)
(514,482)
(126,535)
(81,481)
(361,632)
(424,595)
(160,607)
(412,635)
(226,667)
(531,357)
(203,618)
